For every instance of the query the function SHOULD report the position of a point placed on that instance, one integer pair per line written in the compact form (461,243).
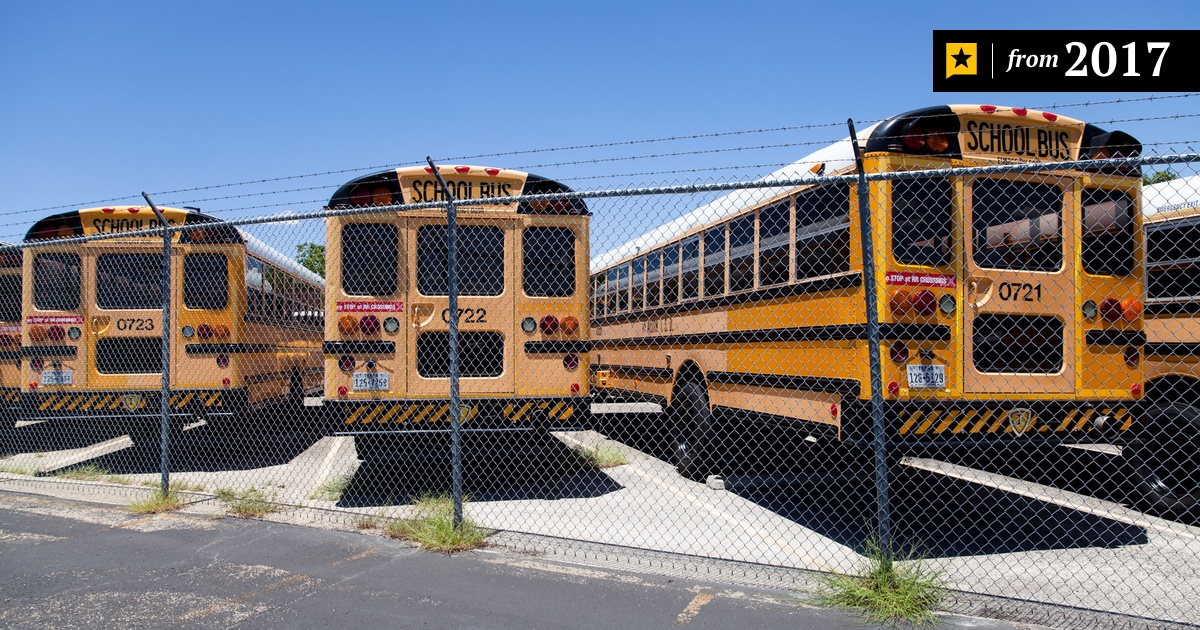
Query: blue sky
(103,101)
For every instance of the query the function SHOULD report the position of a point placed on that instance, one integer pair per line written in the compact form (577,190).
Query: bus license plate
(56,377)
(927,376)
(371,381)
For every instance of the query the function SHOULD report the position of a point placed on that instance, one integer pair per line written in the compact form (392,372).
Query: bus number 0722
(467,315)
(1019,292)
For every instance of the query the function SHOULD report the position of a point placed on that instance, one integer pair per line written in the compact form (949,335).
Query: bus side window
(654,279)
(774,223)
(623,287)
(638,283)
(741,253)
(822,231)
(671,274)
(714,261)
(610,293)
(1173,261)
(597,285)
(689,283)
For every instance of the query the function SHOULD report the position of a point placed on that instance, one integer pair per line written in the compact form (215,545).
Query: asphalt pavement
(67,564)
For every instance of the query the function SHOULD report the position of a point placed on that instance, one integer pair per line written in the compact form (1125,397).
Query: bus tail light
(221,331)
(225,382)
(574,389)
(898,352)
(570,325)
(571,362)
(549,325)
(937,140)
(204,331)
(37,363)
(914,138)
(345,363)
(1132,356)
(1131,309)
(342,390)
(369,324)
(222,360)
(893,388)
(37,333)
(900,302)
(32,385)
(924,303)
(1136,389)
(1110,310)
(347,324)
(55,333)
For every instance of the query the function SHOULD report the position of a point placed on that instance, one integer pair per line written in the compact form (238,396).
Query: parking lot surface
(67,564)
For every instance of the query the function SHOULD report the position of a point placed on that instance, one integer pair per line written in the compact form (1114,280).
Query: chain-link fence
(1006,394)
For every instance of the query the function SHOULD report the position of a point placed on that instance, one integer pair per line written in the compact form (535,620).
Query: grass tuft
(87,472)
(600,456)
(332,489)
(365,522)
(157,504)
(251,503)
(886,591)
(433,527)
(14,469)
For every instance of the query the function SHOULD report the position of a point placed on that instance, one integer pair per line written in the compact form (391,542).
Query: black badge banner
(1064,61)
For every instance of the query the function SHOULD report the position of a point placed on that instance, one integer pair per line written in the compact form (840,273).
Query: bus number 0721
(1020,292)
(467,315)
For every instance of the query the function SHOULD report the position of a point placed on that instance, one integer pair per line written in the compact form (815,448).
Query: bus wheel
(1162,457)
(691,424)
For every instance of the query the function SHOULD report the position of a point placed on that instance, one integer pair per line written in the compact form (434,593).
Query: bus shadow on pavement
(496,467)
(220,447)
(48,436)
(935,516)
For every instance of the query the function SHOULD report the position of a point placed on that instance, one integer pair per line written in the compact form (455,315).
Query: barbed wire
(343,171)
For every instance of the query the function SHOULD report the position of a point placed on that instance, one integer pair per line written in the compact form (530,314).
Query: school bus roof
(418,184)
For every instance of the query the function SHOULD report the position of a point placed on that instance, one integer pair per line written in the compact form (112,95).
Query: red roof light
(1049,116)
(1020,111)
(492,171)
(462,169)
(987,109)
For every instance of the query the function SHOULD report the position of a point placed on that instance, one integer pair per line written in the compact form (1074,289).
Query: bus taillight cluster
(923,303)
(367,325)
(1113,310)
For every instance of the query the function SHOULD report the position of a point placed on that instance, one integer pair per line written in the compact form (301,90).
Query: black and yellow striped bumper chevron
(124,404)
(394,415)
(1058,420)
(10,395)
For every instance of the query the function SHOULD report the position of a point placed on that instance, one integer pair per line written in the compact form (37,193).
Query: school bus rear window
(205,281)
(480,260)
(1107,232)
(10,298)
(56,282)
(129,281)
(1018,225)
(922,216)
(549,262)
(369,259)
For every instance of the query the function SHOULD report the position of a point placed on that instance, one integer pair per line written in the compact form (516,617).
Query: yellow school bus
(522,306)
(242,337)
(1172,219)
(10,334)
(1009,302)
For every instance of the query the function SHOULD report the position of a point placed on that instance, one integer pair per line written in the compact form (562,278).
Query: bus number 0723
(1020,292)
(467,315)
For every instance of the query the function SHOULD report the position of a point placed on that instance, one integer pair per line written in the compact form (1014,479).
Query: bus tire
(692,431)
(1162,457)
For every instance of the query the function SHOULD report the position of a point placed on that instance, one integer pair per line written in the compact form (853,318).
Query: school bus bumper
(394,416)
(130,404)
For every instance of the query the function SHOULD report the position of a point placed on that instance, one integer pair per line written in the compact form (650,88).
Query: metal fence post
(879,428)
(452,291)
(165,394)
